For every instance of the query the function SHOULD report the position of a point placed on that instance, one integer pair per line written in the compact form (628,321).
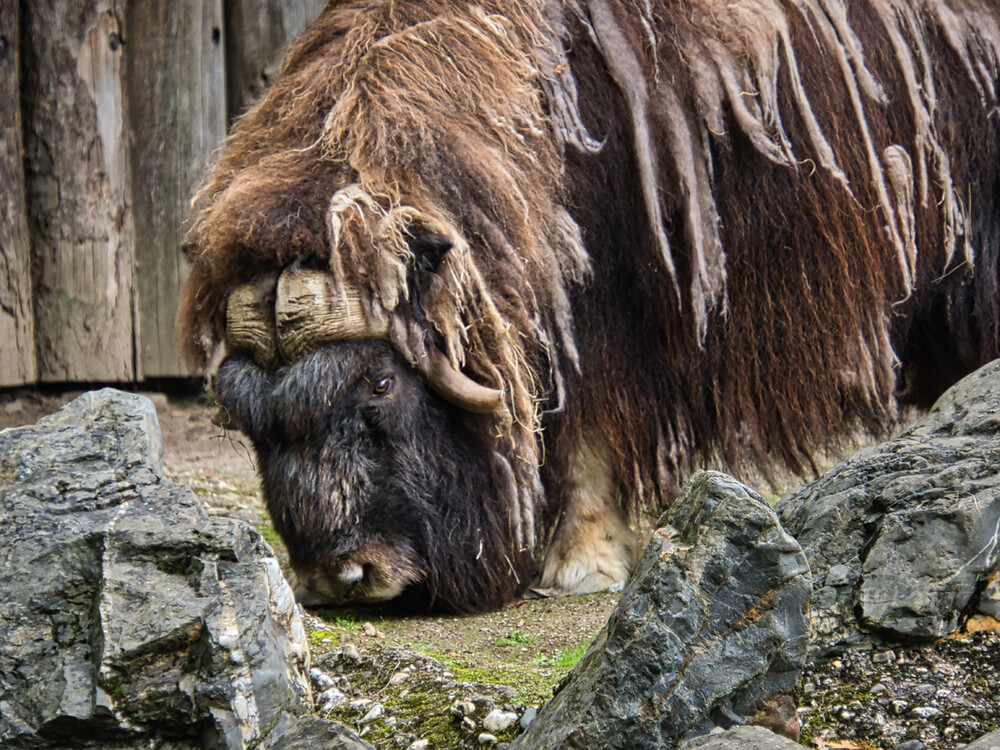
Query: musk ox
(480,280)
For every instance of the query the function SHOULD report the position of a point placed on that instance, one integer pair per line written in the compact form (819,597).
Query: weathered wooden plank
(17,343)
(175,74)
(258,33)
(77,181)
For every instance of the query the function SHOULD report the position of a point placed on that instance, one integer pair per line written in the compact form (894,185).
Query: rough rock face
(989,742)
(902,537)
(741,738)
(711,628)
(128,617)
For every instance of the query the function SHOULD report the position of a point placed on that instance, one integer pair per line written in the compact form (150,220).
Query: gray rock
(310,732)
(528,717)
(989,742)
(901,536)
(711,626)
(497,721)
(741,738)
(127,615)
(989,601)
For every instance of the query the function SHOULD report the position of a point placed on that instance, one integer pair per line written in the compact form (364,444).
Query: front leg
(593,548)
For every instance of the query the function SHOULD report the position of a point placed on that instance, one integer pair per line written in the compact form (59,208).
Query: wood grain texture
(174,70)
(258,33)
(17,344)
(78,189)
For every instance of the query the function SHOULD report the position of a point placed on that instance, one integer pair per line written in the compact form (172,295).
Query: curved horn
(307,314)
(458,389)
(249,327)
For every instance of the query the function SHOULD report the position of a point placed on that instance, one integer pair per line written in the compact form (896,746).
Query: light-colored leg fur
(593,548)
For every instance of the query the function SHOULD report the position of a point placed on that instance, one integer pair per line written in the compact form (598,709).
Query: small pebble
(373,713)
(925,690)
(911,745)
(398,678)
(926,712)
(884,657)
(330,698)
(487,739)
(497,720)
(899,707)
(351,653)
(419,745)
(468,725)
(528,717)
(879,689)
(321,678)
(14,407)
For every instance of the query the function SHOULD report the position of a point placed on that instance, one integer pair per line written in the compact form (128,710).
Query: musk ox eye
(382,385)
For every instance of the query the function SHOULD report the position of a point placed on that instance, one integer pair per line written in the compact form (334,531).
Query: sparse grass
(347,621)
(566,659)
(515,638)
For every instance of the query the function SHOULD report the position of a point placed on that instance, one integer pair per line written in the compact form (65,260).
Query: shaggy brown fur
(697,228)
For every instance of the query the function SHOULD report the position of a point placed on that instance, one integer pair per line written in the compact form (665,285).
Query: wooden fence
(110,113)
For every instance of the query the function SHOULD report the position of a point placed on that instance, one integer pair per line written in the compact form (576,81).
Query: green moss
(420,709)
(533,682)
(267,531)
(112,686)
(322,641)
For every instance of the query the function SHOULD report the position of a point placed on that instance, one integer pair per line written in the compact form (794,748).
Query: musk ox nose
(351,574)
(371,574)
(318,586)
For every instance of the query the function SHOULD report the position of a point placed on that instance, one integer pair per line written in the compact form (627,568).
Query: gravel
(940,696)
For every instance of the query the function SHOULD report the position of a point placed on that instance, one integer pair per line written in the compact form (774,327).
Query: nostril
(351,574)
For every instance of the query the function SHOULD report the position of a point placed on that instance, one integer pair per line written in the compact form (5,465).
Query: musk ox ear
(429,250)
(244,392)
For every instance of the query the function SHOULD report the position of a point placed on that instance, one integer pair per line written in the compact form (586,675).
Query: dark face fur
(378,488)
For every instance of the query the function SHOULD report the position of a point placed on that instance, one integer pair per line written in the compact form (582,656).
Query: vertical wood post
(17,342)
(78,188)
(258,33)
(120,106)
(175,75)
